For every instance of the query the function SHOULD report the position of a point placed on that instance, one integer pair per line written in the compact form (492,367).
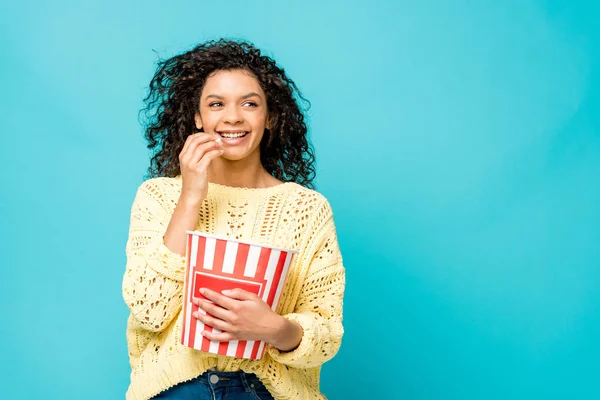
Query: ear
(198,120)
(269,122)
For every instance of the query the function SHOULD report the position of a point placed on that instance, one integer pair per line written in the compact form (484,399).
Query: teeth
(233,135)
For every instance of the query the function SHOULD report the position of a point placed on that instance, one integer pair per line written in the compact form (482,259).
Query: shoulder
(160,182)
(310,201)
(160,189)
(299,191)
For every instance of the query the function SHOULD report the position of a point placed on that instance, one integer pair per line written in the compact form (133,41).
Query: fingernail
(202,290)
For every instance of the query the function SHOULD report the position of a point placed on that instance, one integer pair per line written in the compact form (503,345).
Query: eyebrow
(246,96)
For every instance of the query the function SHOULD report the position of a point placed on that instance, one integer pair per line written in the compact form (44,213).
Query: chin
(238,154)
(234,156)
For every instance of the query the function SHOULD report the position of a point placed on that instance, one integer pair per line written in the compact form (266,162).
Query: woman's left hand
(240,315)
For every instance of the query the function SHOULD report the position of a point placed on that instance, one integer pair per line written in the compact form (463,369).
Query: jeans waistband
(215,378)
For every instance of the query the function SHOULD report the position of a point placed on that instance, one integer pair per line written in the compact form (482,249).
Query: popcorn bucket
(219,263)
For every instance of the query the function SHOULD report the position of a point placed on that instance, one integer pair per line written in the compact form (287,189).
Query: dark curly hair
(174,96)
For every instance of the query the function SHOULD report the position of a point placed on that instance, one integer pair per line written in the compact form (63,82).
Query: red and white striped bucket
(218,263)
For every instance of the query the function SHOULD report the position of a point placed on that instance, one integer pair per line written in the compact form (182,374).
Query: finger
(208,157)
(201,149)
(218,337)
(214,310)
(195,155)
(211,321)
(239,294)
(195,140)
(190,139)
(218,298)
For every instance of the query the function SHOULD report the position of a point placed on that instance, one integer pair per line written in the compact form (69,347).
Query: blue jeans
(213,385)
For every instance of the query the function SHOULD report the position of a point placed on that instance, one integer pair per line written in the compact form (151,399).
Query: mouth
(233,138)
(233,135)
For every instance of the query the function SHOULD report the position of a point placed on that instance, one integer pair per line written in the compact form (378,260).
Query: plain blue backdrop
(458,142)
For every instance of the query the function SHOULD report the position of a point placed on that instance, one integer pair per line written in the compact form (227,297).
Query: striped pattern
(221,264)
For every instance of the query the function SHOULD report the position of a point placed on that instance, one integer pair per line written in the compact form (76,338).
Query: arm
(319,308)
(153,280)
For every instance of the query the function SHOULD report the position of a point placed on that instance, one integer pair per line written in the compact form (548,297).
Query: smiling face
(234,106)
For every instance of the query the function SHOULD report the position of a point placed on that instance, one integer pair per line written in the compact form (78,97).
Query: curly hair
(174,96)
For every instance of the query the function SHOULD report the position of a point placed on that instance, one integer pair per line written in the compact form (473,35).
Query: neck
(247,173)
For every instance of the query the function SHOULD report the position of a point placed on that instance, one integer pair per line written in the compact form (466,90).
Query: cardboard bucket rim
(248,242)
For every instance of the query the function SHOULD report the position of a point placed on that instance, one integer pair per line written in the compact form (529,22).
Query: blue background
(458,142)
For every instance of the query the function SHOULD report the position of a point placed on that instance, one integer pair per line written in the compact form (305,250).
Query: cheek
(259,123)
(209,121)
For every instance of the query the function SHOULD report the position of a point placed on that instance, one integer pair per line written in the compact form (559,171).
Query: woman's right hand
(198,152)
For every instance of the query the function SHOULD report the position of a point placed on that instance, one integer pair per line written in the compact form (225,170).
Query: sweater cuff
(304,351)
(167,263)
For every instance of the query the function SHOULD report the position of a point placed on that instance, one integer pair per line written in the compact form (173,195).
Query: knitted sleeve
(153,280)
(319,307)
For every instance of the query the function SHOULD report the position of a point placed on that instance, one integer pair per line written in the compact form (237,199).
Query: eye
(251,104)
(216,103)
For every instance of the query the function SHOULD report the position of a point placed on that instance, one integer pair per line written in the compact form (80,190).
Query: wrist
(286,335)
(278,331)
(188,201)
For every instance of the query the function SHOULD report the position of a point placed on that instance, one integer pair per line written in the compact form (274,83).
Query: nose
(232,115)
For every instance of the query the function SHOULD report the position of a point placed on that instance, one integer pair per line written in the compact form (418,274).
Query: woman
(231,158)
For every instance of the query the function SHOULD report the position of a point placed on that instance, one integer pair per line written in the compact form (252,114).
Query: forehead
(235,82)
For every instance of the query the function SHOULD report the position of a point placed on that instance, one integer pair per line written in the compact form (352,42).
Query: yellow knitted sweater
(287,215)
